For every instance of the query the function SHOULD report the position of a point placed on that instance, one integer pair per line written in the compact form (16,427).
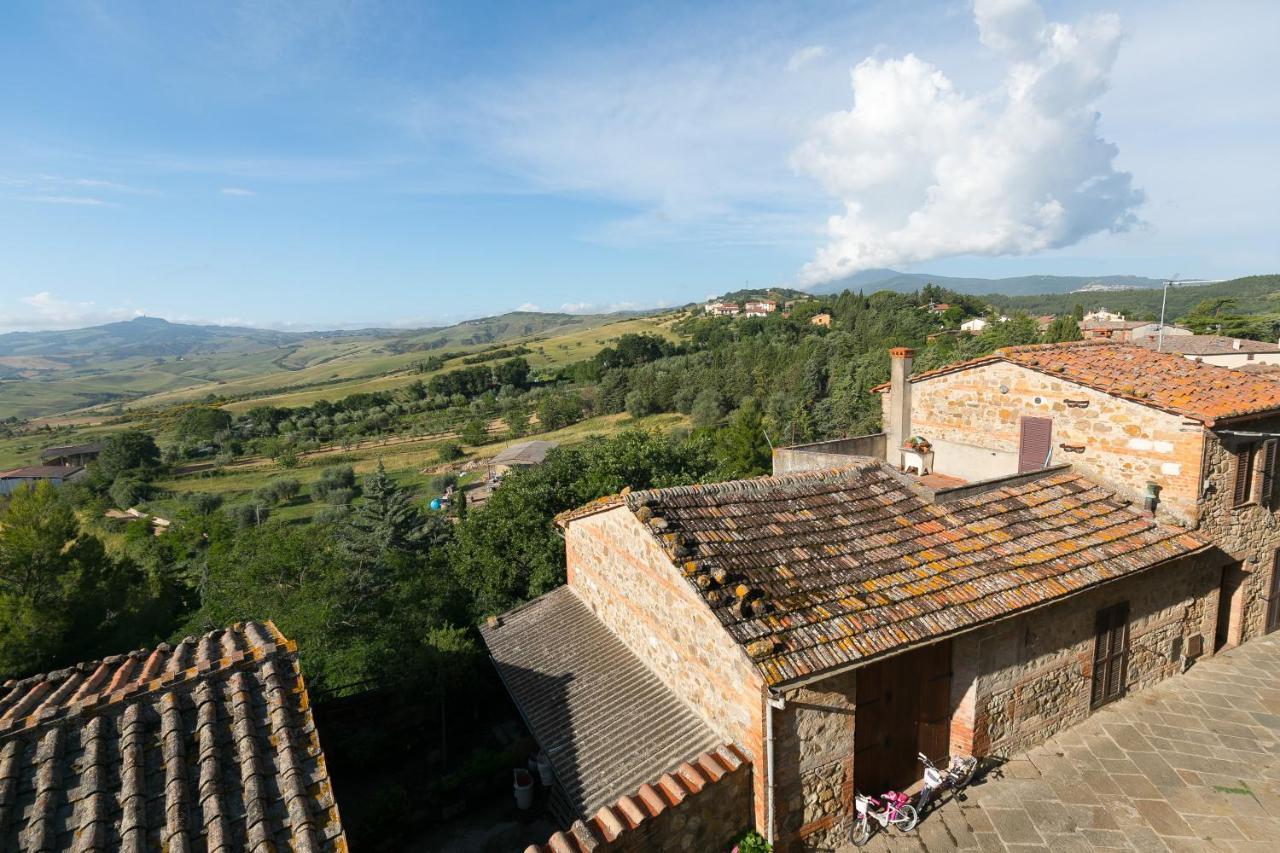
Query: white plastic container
(544,770)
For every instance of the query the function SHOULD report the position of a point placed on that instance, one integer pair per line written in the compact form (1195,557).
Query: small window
(1243,490)
(1269,453)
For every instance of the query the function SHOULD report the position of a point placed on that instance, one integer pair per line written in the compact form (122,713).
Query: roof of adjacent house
(606,722)
(205,745)
(41,472)
(71,450)
(813,571)
(1163,380)
(1206,345)
(524,453)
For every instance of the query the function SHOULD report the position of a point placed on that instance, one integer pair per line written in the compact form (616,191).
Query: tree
(474,432)
(61,594)
(742,446)
(450,451)
(514,372)
(202,423)
(384,523)
(708,408)
(1063,328)
(129,451)
(556,411)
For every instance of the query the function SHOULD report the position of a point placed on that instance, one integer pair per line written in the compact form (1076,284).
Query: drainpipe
(899,425)
(771,703)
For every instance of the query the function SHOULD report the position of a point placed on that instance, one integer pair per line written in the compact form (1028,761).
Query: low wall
(827,454)
(700,805)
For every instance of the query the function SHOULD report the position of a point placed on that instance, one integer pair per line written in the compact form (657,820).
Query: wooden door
(1232,576)
(903,707)
(1273,597)
(1035,440)
(1110,654)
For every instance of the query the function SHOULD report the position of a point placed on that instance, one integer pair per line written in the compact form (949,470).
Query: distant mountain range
(1025,285)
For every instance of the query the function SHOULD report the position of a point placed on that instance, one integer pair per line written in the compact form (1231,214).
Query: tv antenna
(1168,283)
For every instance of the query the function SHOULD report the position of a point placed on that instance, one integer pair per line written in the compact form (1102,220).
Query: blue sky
(343,164)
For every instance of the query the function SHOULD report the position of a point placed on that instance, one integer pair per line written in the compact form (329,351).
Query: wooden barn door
(903,707)
(1110,654)
(1035,439)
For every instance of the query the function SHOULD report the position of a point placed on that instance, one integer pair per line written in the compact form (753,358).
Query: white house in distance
(761,308)
(1102,315)
(721,309)
(1212,349)
(976,324)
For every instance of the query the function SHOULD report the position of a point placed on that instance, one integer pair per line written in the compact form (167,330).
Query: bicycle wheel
(907,819)
(861,832)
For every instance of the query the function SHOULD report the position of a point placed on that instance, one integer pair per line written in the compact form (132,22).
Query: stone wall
(827,454)
(974,427)
(813,760)
(1034,671)
(702,805)
(1250,533)
(622,574)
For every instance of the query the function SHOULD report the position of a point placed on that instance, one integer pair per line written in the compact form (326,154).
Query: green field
(302,369)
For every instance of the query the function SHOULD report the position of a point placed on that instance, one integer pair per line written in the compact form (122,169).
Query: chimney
(1151,499)
(898,418)
(1235,344)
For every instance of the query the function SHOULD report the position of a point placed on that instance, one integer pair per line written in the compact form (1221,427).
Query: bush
(128,491)
(202,503)
(451,451)
(248,514)
(336,485)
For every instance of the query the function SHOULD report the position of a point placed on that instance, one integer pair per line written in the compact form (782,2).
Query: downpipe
(772,703)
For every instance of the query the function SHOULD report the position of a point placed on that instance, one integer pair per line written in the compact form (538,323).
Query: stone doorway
(1227,632)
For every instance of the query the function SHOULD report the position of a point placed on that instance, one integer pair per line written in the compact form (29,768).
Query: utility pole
(1163,301)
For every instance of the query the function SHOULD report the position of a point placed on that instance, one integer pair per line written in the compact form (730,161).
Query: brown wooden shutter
(934,738)
(1273,601)
(1034,441)
(1268,472)
(1110,654)
(1244,457)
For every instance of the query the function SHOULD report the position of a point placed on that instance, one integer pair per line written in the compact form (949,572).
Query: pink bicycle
(893,808)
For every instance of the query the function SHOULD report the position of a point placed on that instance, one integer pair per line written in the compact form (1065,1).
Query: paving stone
(1107,839)
(1014,826)
(1162,818)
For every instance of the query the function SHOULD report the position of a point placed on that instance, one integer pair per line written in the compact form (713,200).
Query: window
(1035,444)
(1263,456)
(1110,654)
(1269,454)
(1273,599)
(1243,489)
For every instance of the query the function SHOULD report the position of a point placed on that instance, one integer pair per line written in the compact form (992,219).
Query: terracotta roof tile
(813,571)
(206,745)
(1162,380)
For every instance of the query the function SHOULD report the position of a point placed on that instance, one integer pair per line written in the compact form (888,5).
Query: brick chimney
(898,418)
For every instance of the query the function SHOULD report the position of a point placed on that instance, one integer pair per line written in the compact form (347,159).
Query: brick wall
(700,806)
(1034,671)
(622,574)
(974,427)
(1250,533)
(813,760)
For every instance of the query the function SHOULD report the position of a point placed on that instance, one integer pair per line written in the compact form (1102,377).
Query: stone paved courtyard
(1192,764)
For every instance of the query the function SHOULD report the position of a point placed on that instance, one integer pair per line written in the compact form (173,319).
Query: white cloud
(926,171)
(528,306)
(80,200)
(237,191)
(47,311)
(805,55)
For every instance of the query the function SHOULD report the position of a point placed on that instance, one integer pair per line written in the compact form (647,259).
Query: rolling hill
(903,282)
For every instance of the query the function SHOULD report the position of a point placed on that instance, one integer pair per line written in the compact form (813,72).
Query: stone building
(828,625)
(1200,439)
